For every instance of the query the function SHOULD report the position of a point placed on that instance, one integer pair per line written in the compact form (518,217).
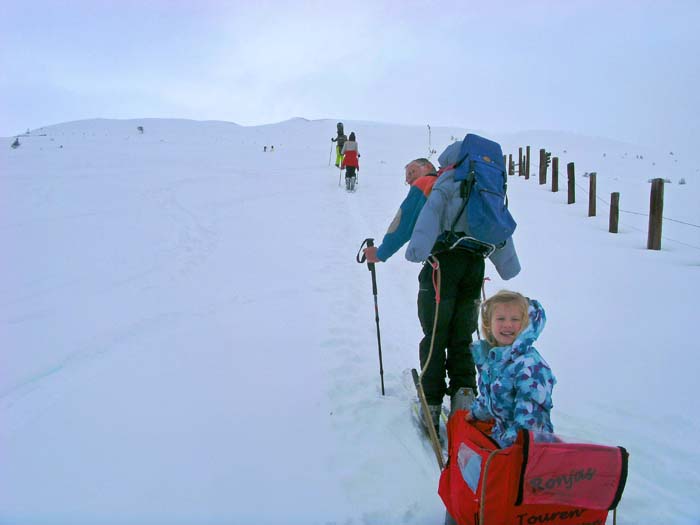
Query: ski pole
(330,153)
(370,267)
(340,175)
(430,147)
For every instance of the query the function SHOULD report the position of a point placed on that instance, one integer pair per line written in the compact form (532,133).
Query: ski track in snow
(355,390)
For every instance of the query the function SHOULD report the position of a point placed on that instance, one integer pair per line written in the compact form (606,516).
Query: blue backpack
(482,171)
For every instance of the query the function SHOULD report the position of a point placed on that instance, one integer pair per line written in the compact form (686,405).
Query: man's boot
(434,411)
(461,399)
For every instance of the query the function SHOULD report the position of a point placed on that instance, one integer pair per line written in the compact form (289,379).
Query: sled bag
(539,479)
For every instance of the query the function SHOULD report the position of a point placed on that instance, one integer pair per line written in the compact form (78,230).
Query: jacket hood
(481,349)
(450,155)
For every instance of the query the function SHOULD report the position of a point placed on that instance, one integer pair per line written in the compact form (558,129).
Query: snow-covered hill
(185,336)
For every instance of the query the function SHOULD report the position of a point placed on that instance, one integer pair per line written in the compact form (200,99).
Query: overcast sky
(628,70)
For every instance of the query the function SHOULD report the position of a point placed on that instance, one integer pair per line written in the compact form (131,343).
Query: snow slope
(185,336)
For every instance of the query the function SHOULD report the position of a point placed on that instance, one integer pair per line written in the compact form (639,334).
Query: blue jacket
(515,383)
(401,227)
(437,216)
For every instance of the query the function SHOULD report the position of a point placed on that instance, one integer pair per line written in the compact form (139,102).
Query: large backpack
(482,170)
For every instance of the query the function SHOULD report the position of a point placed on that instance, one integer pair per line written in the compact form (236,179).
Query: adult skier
(340,141)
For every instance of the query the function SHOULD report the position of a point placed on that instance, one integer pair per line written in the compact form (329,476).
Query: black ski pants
(462,274)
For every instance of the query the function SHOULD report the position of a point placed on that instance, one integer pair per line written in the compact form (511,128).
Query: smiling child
(515,382)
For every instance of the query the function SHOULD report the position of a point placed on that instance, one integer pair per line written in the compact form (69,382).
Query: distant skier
(350,154)
(340,139)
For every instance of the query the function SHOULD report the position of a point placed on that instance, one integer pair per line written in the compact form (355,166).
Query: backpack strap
(446,168)
(465,190)
(470,181)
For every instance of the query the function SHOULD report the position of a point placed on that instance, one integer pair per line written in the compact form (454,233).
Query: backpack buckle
(473,245)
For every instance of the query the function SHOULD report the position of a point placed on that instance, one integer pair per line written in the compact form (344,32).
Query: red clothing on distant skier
(350,154)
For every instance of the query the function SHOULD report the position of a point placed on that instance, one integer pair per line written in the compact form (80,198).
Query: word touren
(554,517)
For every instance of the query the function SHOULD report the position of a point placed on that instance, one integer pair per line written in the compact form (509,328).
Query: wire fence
(641,214)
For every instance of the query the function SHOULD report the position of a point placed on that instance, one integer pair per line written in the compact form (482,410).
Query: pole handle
(370,266)
(360,258)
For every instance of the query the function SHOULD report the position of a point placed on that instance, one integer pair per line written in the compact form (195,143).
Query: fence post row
(656,202)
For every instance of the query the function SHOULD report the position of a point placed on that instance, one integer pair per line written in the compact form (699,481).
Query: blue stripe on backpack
(483,172)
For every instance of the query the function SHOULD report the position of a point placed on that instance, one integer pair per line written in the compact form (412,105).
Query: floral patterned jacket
(515,383)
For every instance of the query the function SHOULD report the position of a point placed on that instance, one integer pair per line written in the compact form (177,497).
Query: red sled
(539,479)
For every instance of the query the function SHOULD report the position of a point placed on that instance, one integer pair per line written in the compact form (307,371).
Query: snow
(187,338)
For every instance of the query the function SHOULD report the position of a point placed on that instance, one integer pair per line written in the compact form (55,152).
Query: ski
(419,406)
(420,424)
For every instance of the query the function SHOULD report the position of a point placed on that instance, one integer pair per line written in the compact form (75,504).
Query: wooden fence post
(614,211)
(591,194)
(656,210)
(520,161)
(543,167)
(527,164)
(510,164)
(555,174)
(571,183)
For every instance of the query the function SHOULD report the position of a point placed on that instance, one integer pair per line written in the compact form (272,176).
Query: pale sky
(626,70)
